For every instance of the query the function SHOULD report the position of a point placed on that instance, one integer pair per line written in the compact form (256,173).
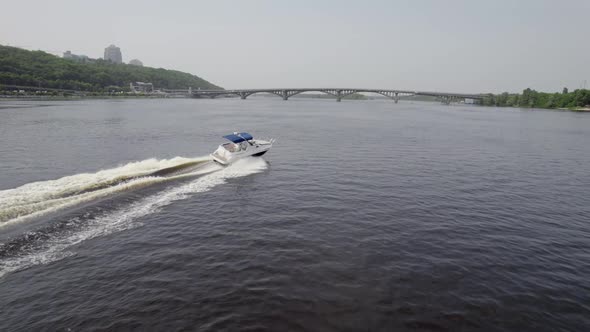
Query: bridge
(338,93)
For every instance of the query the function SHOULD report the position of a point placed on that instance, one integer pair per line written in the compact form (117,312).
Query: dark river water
(364,216)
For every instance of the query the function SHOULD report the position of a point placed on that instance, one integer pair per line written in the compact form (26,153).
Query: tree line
(532,98)
(37,68)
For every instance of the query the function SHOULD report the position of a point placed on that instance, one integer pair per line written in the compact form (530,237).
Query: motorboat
(240,145)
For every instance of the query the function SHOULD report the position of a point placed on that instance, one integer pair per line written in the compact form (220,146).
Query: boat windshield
(231,147)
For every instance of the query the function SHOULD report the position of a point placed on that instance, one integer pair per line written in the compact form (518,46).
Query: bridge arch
(336,93)
(246,94)
(296,92)
(391,94)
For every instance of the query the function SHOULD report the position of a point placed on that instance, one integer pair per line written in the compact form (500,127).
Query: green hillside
(37,68)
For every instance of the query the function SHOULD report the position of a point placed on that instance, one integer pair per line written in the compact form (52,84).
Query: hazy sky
(442,45)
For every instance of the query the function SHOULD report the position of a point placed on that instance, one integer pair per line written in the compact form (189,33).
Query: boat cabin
(239,142)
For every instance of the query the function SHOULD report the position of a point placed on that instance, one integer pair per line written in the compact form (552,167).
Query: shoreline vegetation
(578,100)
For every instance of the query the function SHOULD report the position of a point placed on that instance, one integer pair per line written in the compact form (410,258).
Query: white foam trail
(126,218)
(37,198)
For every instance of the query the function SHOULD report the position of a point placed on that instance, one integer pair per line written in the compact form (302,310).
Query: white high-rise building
(113,54)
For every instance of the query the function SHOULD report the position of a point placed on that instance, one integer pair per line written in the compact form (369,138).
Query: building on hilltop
(136,62)
(75,57)
(141,87)
(113,54)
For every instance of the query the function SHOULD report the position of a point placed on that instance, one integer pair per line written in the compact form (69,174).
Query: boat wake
(38,198)
(51,243)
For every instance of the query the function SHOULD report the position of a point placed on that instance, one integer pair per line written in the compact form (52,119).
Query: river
(364,216)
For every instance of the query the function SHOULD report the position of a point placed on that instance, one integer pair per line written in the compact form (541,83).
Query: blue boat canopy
(246,136)
(240,137)
(234,138)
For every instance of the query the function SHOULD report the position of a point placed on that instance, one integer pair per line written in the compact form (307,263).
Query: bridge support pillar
(243,95)
(395,97)
(284,94)
(339,95)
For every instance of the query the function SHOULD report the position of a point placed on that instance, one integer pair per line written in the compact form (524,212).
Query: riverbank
(42,98)
(577,100)
(575,109)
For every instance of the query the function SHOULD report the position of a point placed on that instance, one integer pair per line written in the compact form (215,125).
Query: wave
(38,198)
(44,246)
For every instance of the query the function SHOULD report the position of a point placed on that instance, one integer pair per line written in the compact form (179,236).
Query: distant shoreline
(579,109)
(42,98)
(8,98)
